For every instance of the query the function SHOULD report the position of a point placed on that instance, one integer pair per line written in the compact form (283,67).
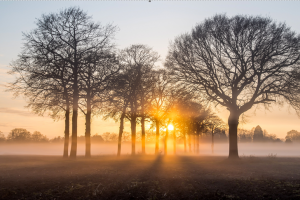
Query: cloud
(14,111)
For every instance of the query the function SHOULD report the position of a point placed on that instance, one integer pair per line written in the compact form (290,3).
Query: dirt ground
(149,177)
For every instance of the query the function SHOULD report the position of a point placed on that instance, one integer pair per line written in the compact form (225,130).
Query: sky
(155,24)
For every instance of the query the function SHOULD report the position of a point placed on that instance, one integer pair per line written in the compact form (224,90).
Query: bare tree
(145,93)
(67,39)
(116,106)
(36,136)
(95,82)
(214,123)
(203,114)
(19,135)
(46,85)
(178,101)
(159,102)
(191,117)
(236,62)
(138,61)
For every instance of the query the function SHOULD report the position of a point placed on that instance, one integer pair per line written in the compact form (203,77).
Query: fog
(104,148)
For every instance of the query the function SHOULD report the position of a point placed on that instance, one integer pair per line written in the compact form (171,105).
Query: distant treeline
(256,134)
(23,135)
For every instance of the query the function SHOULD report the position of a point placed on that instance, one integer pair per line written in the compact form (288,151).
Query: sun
(170,127)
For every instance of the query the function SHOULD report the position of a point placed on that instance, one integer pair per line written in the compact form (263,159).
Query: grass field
(149,177)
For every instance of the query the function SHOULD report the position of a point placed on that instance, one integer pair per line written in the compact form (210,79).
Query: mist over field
(105,148)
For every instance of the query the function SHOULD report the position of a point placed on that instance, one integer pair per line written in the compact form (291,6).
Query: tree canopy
(236,62)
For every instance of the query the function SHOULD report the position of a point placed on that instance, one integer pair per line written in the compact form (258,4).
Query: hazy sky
(155,24)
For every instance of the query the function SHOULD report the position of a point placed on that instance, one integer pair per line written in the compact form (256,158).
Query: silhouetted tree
(159,102)
(95,82)
(2,137)
(200,122)
(117,104)
(121,100)
(19,135)
(236,62)
(38,137)
(46,85)
(66,40)
(145,94)
(137,61)
(189,118)
(215,123)
(292,136)
(245,135)
(176,105)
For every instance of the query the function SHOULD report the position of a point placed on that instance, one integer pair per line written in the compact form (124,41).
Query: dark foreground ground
(149,177)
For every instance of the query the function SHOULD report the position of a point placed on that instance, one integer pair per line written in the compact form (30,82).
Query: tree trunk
(194,139)
(198,138)
(143,126)
(174,141)
(75,108)
(120,133)
(74,125)
(133,134)
(143,135)
(198,143)
(189,138)
(190,142)
(157,138)
(67,130)
(233,122)
(184,142)
(212,141)
(88,129)
(166,141)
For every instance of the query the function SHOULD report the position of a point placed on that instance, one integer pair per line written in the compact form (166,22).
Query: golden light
(148,126)
(171,127)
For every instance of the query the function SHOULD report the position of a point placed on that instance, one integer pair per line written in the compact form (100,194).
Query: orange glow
(171,127)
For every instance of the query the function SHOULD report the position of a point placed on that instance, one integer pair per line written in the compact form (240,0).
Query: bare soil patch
(149,177)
